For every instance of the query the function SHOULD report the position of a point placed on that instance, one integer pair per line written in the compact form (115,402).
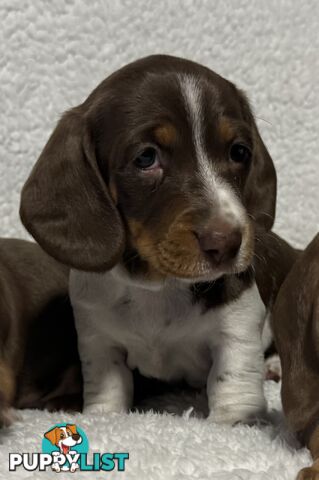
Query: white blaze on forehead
(218,191)
(192,94)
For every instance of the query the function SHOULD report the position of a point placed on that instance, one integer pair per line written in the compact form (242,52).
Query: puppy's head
(63,437)
(161,169)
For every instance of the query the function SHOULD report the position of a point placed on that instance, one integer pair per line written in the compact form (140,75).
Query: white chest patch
(165,336)
(162,333)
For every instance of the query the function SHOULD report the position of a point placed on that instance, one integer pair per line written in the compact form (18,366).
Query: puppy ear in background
(261,187)
(66,205)
(51,436)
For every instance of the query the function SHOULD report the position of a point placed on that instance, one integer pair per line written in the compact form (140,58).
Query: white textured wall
(52,53)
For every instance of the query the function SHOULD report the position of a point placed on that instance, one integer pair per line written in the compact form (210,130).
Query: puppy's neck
(212,293)
(143,281)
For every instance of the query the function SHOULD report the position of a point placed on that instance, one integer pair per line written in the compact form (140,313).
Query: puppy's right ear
(65,203)
(51,436)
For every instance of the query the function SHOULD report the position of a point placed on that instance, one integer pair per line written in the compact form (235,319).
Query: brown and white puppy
(35,316)
(295,323)
(151,191)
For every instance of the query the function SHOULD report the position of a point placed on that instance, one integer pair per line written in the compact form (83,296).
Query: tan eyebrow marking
(226,129)
(113,191)
(166,134)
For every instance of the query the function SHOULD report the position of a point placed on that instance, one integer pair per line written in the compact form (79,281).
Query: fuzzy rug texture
(52,54)
(168,447)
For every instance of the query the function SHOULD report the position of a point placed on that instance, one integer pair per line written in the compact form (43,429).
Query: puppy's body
(169,334)
(33,305)
(160,177)
(296,329)
(273,260)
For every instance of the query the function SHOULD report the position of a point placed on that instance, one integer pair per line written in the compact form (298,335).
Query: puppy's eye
(147,160)
(239,153)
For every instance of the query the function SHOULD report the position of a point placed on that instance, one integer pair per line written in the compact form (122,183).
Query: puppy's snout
(76,436)
(221,243)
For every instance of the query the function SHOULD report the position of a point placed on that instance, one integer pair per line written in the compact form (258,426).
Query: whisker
(264,120)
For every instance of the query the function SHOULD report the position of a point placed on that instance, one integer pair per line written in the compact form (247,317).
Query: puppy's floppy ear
(51,435)
(261,187)
(72,427)
(66,205)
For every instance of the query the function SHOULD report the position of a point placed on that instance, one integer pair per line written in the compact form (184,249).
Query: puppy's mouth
(181,256)
(65,449)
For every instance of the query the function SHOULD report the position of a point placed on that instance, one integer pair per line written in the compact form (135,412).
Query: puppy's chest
(165,334)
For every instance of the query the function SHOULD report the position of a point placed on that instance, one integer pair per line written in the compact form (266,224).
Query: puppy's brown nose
(221,243)
(76,436)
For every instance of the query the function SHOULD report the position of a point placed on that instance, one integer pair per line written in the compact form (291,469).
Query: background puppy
(160,178)
(39,365)
(273,259)
(295,323)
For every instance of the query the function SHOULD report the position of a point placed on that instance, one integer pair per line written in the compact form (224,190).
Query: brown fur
(226,130)
(296,329)
(32,285)
(273,260)
(166,135)
(113,192)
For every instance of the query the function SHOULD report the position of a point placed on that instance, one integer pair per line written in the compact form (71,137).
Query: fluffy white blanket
(167,447)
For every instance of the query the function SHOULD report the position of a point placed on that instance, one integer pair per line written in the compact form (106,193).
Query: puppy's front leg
(235,383)
(108,382)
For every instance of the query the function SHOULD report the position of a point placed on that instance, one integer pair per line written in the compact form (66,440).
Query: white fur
(162,333)
(219,193)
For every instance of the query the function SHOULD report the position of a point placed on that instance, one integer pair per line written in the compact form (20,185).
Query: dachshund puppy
(151,191)
(295,323)
(274,258)
(35,317)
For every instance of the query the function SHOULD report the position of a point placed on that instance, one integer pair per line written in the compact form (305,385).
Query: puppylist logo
(65,448)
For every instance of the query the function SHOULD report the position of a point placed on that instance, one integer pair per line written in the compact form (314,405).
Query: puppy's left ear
(261,188)
(72,428)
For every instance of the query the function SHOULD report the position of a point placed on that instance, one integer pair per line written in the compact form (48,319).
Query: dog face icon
(64,438)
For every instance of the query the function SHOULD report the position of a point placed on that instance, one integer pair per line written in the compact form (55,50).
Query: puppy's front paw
(226,416)
(110,407)
(236,413)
